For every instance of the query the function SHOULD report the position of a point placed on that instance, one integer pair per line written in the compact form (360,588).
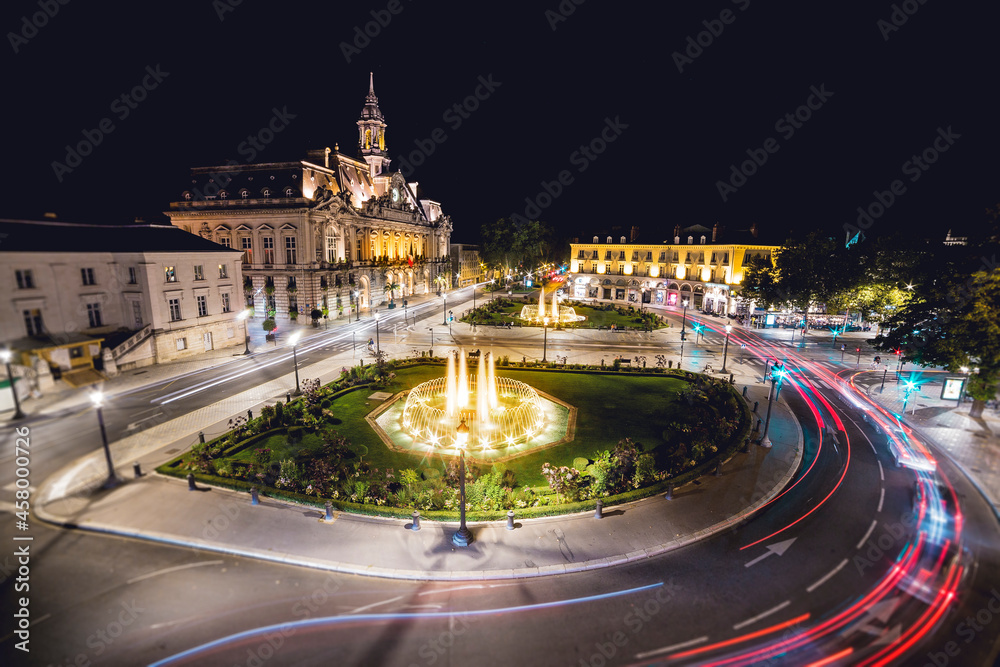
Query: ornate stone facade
(327,233)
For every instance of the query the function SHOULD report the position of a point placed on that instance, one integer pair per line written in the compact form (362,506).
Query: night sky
(557,82)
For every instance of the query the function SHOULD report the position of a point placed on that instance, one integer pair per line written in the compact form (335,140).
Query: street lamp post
(909,388)
(357,306)
(378,348)
(444,311)
(431,329)
(98,399)
(777,375)
(545,337)
(5,355)
(725,349)
(463,537)
(244,315)
(293,340)
(684,318)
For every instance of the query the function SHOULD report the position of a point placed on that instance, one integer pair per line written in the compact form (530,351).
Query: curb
(454,575)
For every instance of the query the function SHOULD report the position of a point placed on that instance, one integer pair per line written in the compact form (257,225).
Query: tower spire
(371,132)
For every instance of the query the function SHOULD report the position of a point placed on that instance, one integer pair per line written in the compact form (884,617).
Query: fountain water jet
(507,412)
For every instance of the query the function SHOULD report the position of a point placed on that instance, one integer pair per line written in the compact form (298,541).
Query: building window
(331,247)
(225,242)
(169,274)
(24,279)
(33,322)
(175,310)
(199,272)
(621,256)
(94,314)
(268,250)
(246,245)
(649,255)
(202,305)
(358,251)
(289,192)
(293,303)
(663,256)
(223,194)
(223,271)
(266,192)
(635,255)
(133,278)
(226,307)
(713,258)
(289,250)
(607,255)
(182,344)
(725,258)
(88,276)
(244,193)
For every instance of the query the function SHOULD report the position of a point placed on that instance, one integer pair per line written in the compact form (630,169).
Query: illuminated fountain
(550,314)
(499,411)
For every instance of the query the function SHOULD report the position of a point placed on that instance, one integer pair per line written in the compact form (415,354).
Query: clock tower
(371,133)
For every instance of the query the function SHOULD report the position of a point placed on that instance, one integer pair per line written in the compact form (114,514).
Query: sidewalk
(973,444)
(162,509)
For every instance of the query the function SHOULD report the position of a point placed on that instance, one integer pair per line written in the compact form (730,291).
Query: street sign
(952,389)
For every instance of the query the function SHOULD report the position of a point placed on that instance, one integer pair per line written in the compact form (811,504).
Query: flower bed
(319,447)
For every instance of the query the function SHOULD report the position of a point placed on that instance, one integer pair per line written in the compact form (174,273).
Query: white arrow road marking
(776,548)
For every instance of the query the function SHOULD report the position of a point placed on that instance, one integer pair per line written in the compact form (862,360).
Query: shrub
(581,463)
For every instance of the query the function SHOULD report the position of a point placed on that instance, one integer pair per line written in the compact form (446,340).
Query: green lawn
(610,407)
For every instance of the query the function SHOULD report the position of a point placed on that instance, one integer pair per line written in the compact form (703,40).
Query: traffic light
(683,335)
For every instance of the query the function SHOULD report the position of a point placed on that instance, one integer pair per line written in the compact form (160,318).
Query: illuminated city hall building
(700,266)
(329,233)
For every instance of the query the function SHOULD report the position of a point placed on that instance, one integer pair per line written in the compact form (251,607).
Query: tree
(508,244)
(951,320)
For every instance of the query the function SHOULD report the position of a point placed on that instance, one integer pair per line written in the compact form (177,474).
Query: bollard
(731,379)
(670,363)
(744,391)
(288,397)
(137,470)
(329,511)
(191,486)
(416,520)
(746,446)
(249,414)
(201,437)
(755,403)
(598,512)
(759,422)
(670,492)
(254,500)
(510,519)
(718,469)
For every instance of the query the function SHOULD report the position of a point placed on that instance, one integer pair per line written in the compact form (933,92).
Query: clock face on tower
(395,195)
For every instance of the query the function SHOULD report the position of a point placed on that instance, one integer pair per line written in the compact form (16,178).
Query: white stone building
(148,293)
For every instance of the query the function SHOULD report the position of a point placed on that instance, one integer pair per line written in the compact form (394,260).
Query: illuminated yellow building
(699,265)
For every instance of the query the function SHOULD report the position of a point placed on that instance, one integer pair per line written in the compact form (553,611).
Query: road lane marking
(668,649)
(868,534)
(749,621)
(373,604)
(881,499)
(881,473)
(173,569)
(826,577)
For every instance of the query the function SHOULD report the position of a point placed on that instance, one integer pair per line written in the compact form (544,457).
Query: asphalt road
(115,601)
